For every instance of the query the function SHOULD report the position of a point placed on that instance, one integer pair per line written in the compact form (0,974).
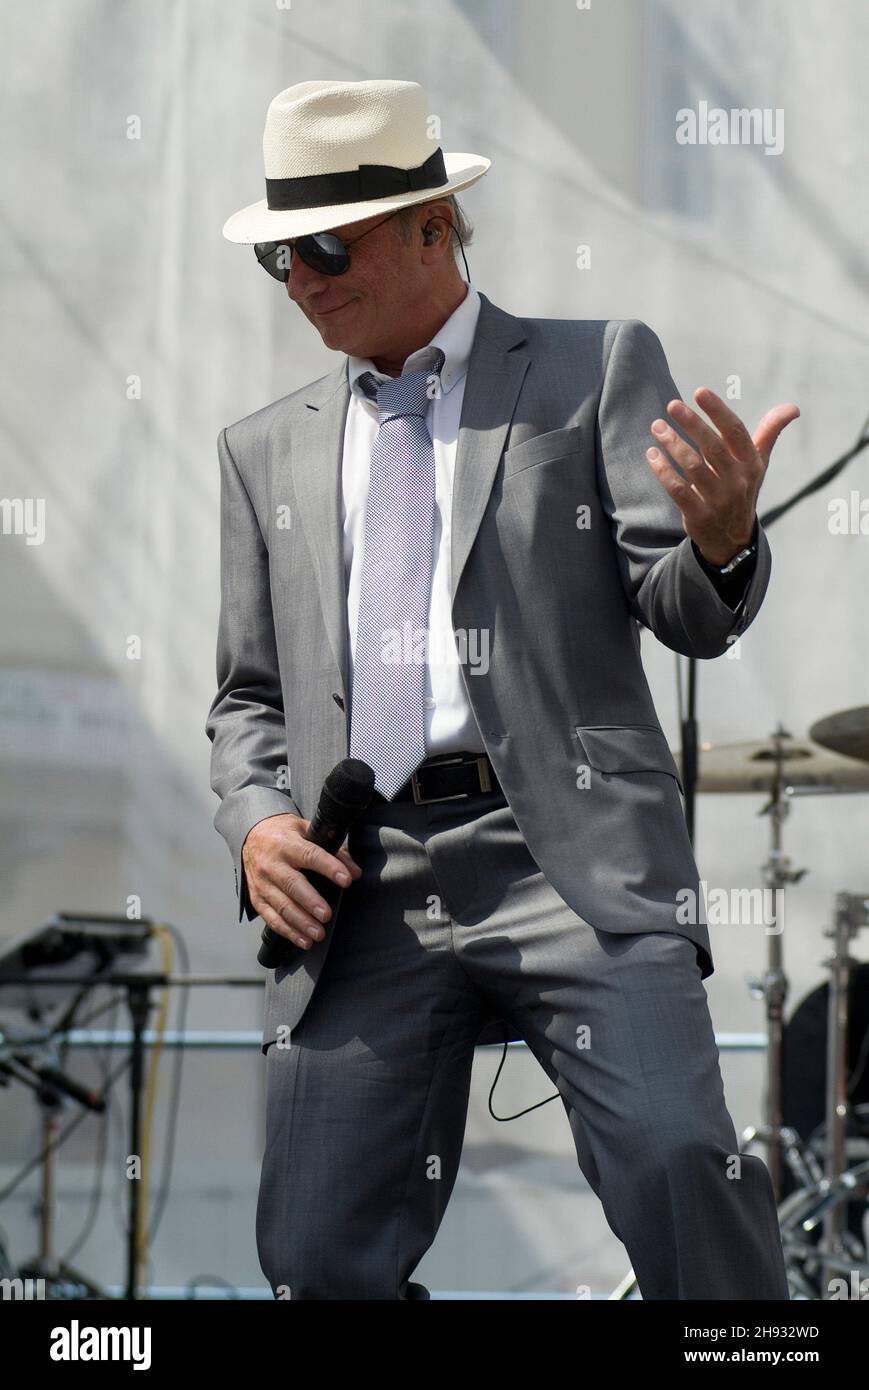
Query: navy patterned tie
(387,722)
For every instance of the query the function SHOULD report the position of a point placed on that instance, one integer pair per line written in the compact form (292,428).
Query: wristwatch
(736,561)
(732,580)
(723,571)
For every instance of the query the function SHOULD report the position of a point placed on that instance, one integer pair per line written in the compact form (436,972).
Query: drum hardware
(785,768)
(852,913)
(828,1167)
(773,987)
(811,1268)
(805,767)
(846,733)
(781,768)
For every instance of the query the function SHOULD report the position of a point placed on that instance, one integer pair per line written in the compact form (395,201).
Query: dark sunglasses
(323,251)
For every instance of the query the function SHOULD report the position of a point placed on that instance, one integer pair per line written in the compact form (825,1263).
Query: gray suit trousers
(451,922)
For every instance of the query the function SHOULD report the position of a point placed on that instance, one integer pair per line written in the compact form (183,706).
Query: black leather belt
(447,777)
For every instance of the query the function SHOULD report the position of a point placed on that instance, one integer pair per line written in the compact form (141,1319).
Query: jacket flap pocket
(553,444)
(627,748)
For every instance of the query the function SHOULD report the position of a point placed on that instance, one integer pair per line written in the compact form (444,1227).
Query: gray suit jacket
(555,419)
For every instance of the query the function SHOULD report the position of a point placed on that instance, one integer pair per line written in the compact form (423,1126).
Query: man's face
(364,311)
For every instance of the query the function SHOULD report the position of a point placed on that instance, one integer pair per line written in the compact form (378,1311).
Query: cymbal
(807,768)
(846,732)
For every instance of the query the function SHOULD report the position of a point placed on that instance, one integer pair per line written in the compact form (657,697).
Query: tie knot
(408,394)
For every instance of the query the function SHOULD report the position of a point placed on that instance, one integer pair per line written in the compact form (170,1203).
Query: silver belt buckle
(482,771)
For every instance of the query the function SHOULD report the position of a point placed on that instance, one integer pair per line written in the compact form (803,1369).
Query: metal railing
(240,1040)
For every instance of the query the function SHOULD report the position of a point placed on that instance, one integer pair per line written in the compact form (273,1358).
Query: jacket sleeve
(668,589)
(246,720)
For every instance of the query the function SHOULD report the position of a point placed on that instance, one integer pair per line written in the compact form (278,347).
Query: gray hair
(461,223)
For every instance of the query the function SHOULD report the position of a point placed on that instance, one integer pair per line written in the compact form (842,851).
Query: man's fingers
(346,858)
(686,496)
(720,449)
(290,930)
(692,463)
(294,885)
(771,426)
(285,888)
(734,433)
(277,844)
(304,854)
(286,917)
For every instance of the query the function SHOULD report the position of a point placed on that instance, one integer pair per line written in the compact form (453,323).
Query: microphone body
(57,1081)
(346,795)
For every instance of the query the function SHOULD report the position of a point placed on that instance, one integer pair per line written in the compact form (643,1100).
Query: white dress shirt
(450,724)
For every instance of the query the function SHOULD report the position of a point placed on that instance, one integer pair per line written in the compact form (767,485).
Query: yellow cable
(167,951)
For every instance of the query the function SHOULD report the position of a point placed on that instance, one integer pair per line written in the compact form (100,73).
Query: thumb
(771,426)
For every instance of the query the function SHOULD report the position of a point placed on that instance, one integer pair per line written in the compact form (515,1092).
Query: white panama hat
(338,152)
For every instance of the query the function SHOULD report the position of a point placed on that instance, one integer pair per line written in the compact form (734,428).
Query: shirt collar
(455,338)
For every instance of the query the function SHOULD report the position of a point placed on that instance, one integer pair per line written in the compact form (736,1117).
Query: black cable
(105,1007)
(108,1082)
(437,218)
(96,1200)
(56,1142)
(216,1279)
(119,1137)
(556,1096)
(859,1065)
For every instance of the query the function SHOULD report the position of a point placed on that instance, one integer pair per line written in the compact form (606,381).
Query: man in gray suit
(436,559)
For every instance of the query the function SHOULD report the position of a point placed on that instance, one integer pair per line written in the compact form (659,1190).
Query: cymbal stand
(852,913)
(773,987)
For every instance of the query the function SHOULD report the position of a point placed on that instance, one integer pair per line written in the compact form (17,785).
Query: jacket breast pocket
(543,447)
(627,748)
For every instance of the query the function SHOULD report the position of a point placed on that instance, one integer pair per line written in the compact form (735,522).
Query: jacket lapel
(316,446)
(496,370)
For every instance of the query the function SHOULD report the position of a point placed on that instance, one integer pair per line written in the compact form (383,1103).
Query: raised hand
(723,472)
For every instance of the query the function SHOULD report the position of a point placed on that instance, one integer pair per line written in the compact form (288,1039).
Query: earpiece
(430,236)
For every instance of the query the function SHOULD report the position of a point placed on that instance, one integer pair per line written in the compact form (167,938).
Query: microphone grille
(350,784)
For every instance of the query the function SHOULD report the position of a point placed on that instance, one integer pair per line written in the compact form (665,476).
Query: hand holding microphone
(296,869)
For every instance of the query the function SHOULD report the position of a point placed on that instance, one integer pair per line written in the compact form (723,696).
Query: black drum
(805,1080)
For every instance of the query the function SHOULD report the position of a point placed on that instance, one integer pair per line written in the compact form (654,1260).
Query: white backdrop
(132,333)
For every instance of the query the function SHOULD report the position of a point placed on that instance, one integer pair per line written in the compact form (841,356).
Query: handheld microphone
(346,795)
